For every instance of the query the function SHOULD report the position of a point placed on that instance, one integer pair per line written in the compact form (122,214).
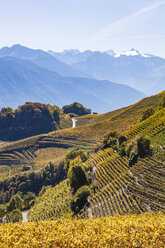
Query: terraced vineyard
(151,126)
(121,189)
(87,135)
(54,204)
(16,157)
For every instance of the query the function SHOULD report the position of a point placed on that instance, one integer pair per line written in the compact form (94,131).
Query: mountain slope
(22,80)
(141,71)
(42,59)
(41,149)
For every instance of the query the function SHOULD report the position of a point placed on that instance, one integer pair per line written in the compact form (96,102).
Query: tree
(2,211)
(139,148)
(29,200)
(15,202)
(121,139)
(23,187)
(80,199)
(71,155)
(77,177)
(15,216)
(143,146)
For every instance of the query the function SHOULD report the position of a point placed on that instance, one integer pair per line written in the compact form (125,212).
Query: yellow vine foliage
(129,231)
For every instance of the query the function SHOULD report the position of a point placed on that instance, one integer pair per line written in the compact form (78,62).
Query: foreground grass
(146,230)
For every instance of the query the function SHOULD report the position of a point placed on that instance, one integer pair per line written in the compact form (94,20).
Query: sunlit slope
(87,135)
(146,230)
(134,109)
(120,189)
(36,152)
(151,126)
(119,120)
(54,204)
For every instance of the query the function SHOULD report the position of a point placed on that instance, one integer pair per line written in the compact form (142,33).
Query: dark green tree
(77,177)
(71,155)
(80,199)
(16,202)
(15,216)
(29,200)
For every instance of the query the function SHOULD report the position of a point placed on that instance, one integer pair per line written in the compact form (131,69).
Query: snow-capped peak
(132,52)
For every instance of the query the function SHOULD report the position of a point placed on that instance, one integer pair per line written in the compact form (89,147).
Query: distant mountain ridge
(22,80)
(144,72)
(42,59)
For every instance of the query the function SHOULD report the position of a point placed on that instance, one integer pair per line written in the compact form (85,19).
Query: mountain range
(35,75)
(144,72)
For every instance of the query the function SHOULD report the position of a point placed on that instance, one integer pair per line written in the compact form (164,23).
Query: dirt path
(25,216)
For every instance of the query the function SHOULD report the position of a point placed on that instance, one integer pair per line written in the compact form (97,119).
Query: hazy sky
(84,24)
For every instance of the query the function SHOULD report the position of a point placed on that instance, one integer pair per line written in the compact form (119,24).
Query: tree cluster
(29,119)
(76,108)
(138,148)
(115,141)
(31,182)
(79,178)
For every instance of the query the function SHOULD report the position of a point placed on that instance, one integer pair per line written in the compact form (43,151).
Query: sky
(84,24)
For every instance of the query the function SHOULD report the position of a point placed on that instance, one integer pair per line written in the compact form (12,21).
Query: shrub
(129,147)
(122,151)
(80,199)
(23,187)
(15,216)
(110,139)
(121,139)
(2,211)
(133,157)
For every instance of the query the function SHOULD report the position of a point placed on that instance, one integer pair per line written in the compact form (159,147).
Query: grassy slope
(90,132)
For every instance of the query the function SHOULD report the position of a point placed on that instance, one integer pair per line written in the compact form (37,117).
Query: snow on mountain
(131,52)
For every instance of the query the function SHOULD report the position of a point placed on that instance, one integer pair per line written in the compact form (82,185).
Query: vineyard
(120,189)
(54,204)
(13,159)
(151,126)
(146,230)
(88,133)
